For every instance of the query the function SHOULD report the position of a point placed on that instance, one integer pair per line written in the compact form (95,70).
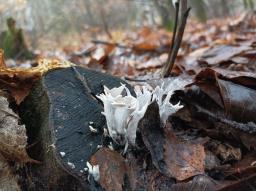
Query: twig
(109,43)
(81,53)
(177,7)
(167,68)
(104,22)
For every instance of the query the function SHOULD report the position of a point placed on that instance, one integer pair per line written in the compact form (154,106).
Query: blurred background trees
(41,19)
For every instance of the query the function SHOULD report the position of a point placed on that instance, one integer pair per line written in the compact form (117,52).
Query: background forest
(61,21)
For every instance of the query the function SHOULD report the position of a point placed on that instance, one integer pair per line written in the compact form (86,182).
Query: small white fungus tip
(72,166)
(85,169)
(94,171)
(92,129)
(110,146)
(105,132)
(62,154)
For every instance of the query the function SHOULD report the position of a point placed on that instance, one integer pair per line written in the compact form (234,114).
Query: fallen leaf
(173,158)
(183,159)
(13,138)
(151,40)
(8,181)
(237,100)
(222,53)
(198,183)
(219,108)
(244,167)
(112,167)
(225,151)
(144,176)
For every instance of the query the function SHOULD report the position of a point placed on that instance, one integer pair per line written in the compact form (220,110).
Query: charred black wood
(58,114)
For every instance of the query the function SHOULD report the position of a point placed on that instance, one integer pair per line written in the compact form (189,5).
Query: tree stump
(57,114)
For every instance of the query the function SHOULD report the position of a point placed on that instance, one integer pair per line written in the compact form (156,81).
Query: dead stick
(177,7)
(173,54)
(104,22)
(109,43)
(177,45)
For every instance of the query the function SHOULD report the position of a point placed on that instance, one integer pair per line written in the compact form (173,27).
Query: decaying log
(57,114)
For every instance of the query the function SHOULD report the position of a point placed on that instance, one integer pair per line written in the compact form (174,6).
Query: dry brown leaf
(183,160)
(227,152)
(198,183)
(13,138)
(171,156)
(222,53)
(150,40)
(8,181)
(112,169)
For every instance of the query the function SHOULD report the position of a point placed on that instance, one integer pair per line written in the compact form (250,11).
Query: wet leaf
(222,53)
(8,181)
(198,183)
(225,152)
(205,109)
(184,159)
(243,168)
(113,170)
(237,100)
(173,158)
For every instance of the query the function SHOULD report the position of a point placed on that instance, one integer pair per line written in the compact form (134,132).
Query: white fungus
(123,112)
(92,129)
(62,154)
(94,171)
(72,166)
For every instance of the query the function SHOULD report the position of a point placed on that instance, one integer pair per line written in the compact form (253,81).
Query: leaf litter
(209,144)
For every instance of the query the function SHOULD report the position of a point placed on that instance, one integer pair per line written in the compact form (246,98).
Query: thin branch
(177,43)
(110,43)
(167,68)
(104,22)
(177,7)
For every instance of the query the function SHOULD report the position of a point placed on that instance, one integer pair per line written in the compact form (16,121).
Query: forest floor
(210,144)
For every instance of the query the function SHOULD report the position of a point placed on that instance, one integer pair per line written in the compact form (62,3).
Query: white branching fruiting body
(163,100)
(94,171)
(123,113)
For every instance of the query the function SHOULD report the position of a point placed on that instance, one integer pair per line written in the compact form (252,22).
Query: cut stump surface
(57,114)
